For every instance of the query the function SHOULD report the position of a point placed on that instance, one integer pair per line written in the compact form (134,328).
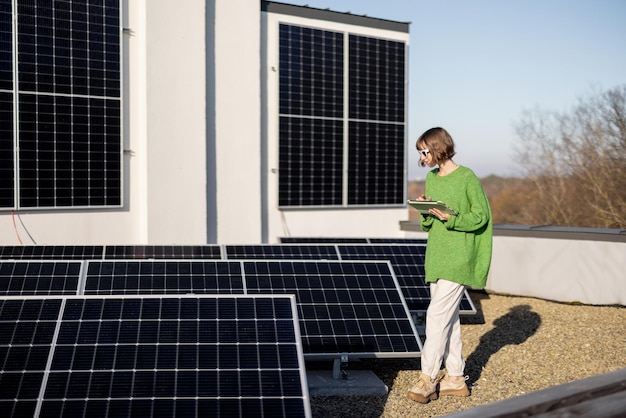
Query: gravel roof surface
(513,346)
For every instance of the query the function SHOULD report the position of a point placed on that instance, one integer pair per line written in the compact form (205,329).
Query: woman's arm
(479,213)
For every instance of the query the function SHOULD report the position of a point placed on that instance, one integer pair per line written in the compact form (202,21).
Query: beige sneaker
(425,390)
(449,388)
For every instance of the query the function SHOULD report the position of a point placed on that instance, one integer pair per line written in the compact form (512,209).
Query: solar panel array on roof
(218,355)
(352,308)
(406,256)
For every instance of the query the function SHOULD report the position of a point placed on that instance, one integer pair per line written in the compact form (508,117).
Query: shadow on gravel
(513,328)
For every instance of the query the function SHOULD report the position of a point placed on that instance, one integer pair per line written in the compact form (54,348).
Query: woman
(458,254)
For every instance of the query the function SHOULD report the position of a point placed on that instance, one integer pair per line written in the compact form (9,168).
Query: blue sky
(476,65)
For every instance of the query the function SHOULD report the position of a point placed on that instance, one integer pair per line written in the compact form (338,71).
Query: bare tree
(576,161)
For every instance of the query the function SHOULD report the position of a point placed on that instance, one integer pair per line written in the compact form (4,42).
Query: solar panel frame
(83,366)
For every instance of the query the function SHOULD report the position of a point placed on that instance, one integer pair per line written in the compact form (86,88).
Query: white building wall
(237,123)
(175,142)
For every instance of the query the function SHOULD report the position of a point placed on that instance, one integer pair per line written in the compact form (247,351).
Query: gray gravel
(513,346)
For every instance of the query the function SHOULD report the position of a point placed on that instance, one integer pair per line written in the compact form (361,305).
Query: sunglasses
(423,152)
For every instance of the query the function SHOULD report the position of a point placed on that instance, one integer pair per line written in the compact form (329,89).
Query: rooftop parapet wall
(573,265)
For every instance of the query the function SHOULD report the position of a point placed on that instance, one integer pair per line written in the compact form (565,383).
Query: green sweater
(458,249)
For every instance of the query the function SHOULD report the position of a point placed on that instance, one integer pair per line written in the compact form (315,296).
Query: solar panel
(7,125)
(51,252)
(27,329)
(163,277)
(397,240)
(65,147)
(350,308)
(376,127)
(286,252)
(321,240)
(217,355)
(343,240)
(22,278)
(359,152)
(310,106)
(354,308)
(120,252)
(408,265)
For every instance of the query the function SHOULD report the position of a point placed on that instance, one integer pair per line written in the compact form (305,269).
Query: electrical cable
(15,227)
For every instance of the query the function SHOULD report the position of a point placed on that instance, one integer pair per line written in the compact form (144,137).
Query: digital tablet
(423,206)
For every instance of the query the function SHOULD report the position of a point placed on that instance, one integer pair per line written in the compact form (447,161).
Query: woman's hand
(442,216)
(422,197)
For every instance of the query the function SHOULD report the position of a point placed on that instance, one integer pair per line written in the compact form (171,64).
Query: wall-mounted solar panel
(211,355)
(116,277)
(7,108)
(331,154)
(62,146)
(278,251)
(408,264)
(51,252)
(22,278)
(350,308)
(376,127)
(136,252)
(311,105)
(7,125)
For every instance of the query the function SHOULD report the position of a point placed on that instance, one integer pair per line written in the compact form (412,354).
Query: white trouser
(443,330)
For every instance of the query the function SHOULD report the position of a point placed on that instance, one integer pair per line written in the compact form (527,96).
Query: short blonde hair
(439,143)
